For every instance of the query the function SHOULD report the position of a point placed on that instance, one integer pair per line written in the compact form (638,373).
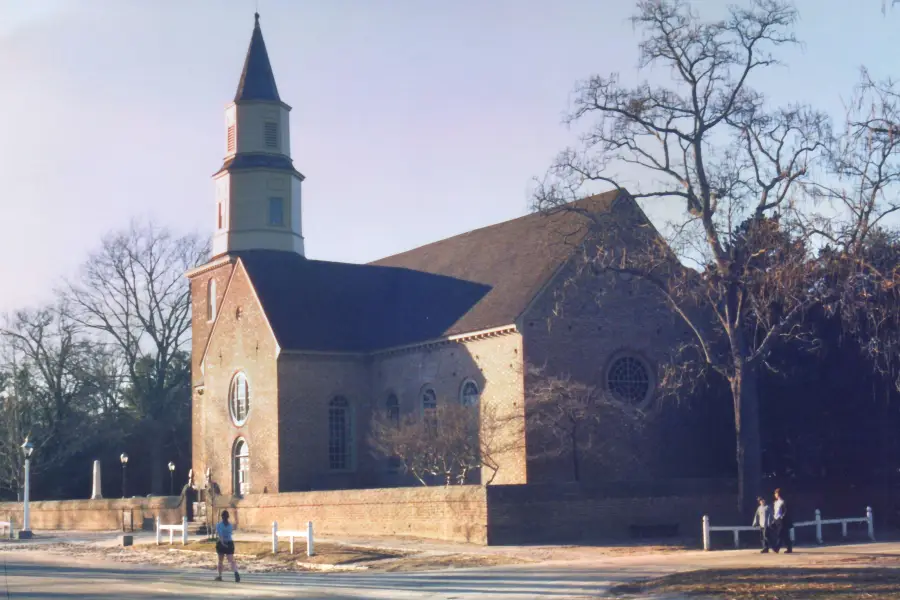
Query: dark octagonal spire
(257,80)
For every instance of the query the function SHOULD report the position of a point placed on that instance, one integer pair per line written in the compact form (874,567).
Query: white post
(844,528)
(706,532)
(870,522)
(737,540)
(309,539)
(793,536)
(171,535)
(274,537)
(158,533)
(291,537)
(819,526)
(26,518)
(95,492)
(184,531)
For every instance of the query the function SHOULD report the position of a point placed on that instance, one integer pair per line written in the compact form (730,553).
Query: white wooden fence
(308,534)
(160,527)
(817,522)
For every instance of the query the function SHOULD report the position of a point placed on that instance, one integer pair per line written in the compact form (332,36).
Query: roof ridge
(610,195)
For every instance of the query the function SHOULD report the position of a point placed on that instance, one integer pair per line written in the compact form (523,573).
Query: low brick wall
(456,513)
(519,514)
(93,515)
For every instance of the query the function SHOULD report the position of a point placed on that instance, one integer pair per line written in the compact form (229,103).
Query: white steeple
(257,189)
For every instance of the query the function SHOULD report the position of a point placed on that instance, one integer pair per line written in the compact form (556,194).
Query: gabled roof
(471,282)
(257,79)
(515,259)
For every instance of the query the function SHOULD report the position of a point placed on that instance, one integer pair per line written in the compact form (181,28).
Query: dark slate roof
(257,79)
(328,306)
(515,259)
(252,160)
(478,280)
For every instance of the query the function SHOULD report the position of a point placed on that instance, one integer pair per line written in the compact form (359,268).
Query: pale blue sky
(413,120)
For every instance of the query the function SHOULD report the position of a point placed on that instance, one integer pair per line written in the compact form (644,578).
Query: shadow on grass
(874,583)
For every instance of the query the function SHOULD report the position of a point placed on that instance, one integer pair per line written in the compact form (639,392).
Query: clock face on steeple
(257,188)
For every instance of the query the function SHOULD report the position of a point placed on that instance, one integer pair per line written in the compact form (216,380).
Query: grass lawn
(324,553)
(850,583)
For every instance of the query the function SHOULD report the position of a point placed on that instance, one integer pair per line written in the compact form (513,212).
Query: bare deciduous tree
(133,295)
(448,443)
(568,419)
(709,142)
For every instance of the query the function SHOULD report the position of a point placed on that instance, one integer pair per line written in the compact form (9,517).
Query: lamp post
(171,478)
(25,533)
(123,458)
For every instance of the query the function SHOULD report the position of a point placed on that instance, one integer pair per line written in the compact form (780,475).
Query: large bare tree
(706,145)
(567,419)
(133,295)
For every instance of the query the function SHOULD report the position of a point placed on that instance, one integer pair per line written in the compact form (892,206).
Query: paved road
(37,575)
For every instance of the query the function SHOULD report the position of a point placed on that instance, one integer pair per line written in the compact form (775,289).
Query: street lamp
(123,458)
(171,478)
(25,533)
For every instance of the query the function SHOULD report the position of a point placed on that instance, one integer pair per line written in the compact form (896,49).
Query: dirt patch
(847,583)
(257,557)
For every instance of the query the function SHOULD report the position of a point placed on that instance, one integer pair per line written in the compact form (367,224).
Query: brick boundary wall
(93,515)
(455,513)
(572,513)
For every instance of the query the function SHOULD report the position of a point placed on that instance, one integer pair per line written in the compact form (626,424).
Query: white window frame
(231,398)
(211,300)
(349,447)
(236,471)
(281,202)
(462,393)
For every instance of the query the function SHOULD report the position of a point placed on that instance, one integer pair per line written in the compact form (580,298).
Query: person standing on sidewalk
(225,546)
(782,524)
(763,520)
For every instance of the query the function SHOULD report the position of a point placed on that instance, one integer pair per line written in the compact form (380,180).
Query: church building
(292,356)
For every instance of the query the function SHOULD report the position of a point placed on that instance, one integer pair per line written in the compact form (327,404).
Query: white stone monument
(96,494)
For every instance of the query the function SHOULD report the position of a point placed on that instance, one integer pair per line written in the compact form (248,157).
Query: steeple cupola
(258,199)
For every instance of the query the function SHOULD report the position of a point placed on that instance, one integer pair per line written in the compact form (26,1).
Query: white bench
(160,527)
(7,525)
(818,522)
(308,534)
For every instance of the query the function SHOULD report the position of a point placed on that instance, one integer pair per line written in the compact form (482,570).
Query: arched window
(429,408)
(393,409)
(468,393)
(211,300)
(628,378)
(241,467)
(340,435)
(239,399)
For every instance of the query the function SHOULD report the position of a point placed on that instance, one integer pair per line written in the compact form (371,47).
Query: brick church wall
(580,324)
(200,330)
(307,383)
(493,363)
(241,341)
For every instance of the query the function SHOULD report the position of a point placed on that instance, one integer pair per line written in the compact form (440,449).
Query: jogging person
(225,546)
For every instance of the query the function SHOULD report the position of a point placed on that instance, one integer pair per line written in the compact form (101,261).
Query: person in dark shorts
(225,546)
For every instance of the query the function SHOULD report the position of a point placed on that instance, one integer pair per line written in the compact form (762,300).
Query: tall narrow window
(393,412)
(241,468)
(239,399)
(429,408)
(221,219)
(393,409)
(340,435)
(276,212)
(270,134)
(211,300)
(231,139)
(468,394)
